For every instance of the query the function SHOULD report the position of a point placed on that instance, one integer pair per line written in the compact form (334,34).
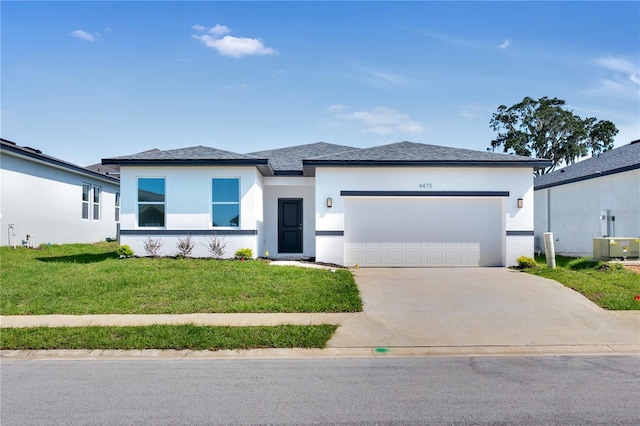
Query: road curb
(327,353)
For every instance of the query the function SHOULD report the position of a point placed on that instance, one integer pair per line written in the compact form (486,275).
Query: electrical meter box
(616,248)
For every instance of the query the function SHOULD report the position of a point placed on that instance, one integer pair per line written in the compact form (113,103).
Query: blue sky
(84,81)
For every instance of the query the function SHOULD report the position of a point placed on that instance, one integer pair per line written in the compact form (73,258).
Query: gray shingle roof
(289,159)
(36,154)
(194,153)
(624,158)
(410,152)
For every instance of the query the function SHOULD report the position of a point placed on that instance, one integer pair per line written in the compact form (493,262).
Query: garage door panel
(389,231)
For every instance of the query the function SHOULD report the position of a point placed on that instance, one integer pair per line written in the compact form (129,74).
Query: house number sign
(425,186)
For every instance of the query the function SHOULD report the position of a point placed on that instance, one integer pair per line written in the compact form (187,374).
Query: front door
(289,225)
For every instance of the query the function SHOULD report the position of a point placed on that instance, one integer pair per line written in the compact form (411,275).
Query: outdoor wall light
(329,202)
(520,203)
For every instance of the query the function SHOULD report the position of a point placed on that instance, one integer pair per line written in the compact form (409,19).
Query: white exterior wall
(572,211)
(289,187)
(45,201)
(188,208)
(330,181)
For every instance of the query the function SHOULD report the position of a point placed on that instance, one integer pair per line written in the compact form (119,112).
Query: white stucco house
(596,197)
(53,201)
(402,204)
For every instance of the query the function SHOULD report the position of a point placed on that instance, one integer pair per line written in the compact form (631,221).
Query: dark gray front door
(290,225)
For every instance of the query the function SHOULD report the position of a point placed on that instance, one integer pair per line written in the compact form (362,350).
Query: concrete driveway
(453,307)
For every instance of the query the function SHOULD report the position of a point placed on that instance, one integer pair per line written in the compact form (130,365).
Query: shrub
(124,251)
(216,246)
(525,262)
(152,246)
(244,253)
(185,246)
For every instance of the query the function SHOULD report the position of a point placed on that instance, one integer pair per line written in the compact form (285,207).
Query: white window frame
(212,203)
(117,207)
(86,202)
(96,206)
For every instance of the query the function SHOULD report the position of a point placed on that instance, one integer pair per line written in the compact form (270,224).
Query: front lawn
(167,337)
(609,285)
(91,279)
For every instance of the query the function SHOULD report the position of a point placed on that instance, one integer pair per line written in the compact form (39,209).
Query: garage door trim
(424,193)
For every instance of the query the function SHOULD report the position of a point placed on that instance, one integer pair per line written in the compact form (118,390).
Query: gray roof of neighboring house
(36,154)
(289,160)
(411,153)
(618,160)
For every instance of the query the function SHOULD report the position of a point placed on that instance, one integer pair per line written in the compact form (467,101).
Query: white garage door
(415,232)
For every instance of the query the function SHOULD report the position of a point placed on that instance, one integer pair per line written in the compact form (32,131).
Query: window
(225,202)
(86,196)
(117,207)
(97,194)
(151,200)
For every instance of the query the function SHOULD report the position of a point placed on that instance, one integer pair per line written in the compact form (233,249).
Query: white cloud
(82,35)
(231,46)
(219,30)
(382,121)
(505,44)
(622,78)
(617,64)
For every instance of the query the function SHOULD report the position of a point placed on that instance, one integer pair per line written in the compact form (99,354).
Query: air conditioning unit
(616,248)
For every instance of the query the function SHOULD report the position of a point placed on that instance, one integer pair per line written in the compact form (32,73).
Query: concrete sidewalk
(232,320)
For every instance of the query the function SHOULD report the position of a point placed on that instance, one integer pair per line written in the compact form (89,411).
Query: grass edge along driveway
(609,285)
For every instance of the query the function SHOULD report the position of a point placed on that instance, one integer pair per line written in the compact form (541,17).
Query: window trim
(163,203)
(212,203)
(87,202)
(117,207)
(96,190)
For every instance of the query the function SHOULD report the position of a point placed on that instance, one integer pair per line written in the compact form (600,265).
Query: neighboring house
(46,200)
(402,204)
(597,197)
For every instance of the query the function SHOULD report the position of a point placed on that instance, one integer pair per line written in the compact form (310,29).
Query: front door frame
(285,244)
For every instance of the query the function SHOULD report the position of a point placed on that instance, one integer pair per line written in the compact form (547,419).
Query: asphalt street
(567,390)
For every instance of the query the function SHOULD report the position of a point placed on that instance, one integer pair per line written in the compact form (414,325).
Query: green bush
(525,262)
(124,251)
(244,253)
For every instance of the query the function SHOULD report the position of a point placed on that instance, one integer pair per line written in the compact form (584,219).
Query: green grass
(611,286)
(167,337)
(92,279)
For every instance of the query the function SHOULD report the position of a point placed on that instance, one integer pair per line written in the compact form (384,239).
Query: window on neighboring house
(117,207)
(97,195)
(151,199)
(225,202)
(86,199)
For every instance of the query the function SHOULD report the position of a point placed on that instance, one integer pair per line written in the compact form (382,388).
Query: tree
(545,129)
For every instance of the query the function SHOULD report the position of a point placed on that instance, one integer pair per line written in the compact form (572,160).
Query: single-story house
(401,204)
(596,197)
(47,200)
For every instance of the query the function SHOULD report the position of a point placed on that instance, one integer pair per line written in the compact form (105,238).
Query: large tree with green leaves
(545,128)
